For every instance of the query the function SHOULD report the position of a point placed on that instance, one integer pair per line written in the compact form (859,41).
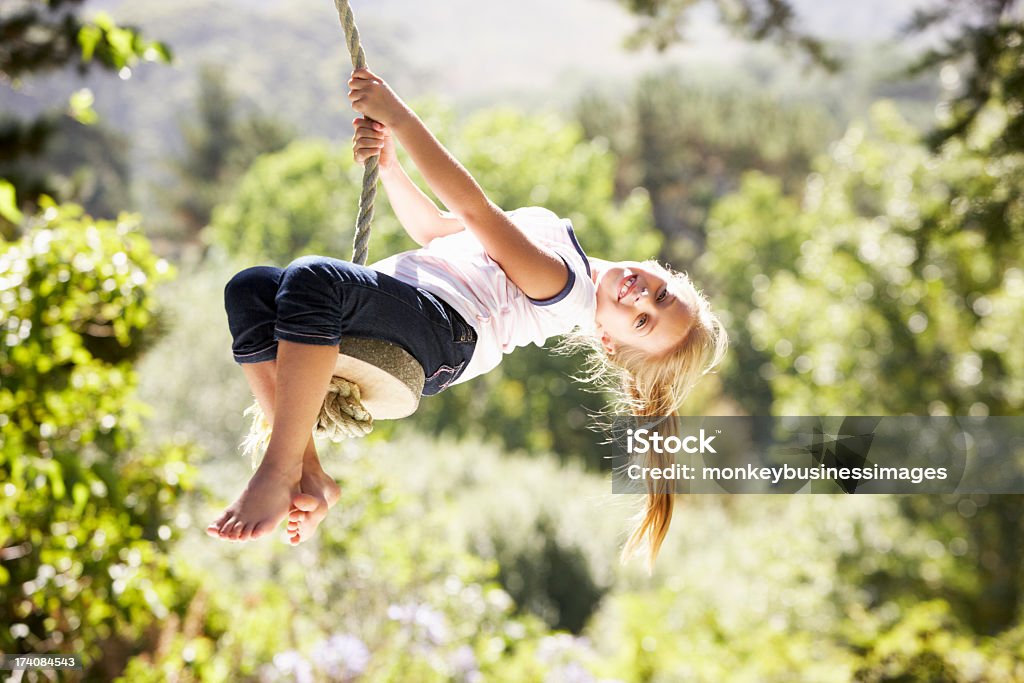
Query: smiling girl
(484,282)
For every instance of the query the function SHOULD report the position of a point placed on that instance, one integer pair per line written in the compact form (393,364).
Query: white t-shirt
(457,269)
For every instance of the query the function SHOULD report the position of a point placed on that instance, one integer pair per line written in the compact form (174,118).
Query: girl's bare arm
(538,272)
(417,213)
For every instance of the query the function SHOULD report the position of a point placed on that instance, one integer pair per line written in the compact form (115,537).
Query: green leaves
(80,107)
(41,36)
(298,201)
(117,47)
(9,203)
(879,297)
(82,502)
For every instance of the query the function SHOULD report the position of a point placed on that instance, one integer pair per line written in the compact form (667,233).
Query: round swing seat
(390,380)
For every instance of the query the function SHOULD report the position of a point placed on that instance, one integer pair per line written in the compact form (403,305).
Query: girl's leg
(303,374)
(319,490)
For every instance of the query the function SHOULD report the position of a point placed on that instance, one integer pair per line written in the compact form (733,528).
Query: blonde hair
(655,386)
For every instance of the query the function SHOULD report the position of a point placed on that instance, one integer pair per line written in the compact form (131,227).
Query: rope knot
(342,416)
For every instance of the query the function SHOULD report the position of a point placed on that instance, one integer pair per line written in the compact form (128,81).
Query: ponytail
(653,521)
(654,387)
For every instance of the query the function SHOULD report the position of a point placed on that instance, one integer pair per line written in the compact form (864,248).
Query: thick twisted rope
(342,414)
(360,244)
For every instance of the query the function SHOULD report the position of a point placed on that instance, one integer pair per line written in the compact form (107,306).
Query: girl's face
(638,305)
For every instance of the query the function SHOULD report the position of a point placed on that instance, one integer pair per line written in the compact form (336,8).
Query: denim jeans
(318,300)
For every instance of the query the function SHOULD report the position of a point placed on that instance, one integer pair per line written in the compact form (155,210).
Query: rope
(360,243)
(342,414)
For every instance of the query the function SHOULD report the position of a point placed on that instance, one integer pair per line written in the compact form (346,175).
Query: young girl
(484,282)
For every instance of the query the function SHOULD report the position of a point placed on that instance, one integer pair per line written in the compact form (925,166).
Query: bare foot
(261,507)
(319,494)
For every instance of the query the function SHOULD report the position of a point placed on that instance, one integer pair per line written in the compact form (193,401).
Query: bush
(86,514)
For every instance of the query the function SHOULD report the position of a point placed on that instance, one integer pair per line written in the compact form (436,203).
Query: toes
(226,526)
(234,530)
(245,533)
(216,527)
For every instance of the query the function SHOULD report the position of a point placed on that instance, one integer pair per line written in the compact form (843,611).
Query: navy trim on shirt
(565,290)
(576,243)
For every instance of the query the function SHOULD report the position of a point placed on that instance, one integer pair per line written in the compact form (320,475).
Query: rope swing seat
(372,378)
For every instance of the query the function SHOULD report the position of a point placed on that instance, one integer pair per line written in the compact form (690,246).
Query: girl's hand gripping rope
(373,98)
(373,138)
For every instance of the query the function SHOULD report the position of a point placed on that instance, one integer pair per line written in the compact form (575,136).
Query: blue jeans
(318,300)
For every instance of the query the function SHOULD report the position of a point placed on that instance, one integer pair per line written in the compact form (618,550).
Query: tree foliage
(43,35)
(688,145)
(301,200)
(886,270)
(982,44)
(221,141)
(984,55)
(40,36)
(881,293)
(663,23)
(70,160)
(87,506)
(86,510)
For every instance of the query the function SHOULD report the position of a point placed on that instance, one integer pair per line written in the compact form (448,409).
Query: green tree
(662,23)
(885,271)
(881,295)
(984,55)
(41,36)
(298,201)
(84,163)
(44,35)
(689,145)
(981,53)
(86,506)
(220,144)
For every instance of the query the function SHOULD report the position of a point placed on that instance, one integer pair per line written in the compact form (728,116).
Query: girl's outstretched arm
(417,212)
(538,272)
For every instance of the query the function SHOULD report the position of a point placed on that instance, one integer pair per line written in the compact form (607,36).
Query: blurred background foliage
(865,254)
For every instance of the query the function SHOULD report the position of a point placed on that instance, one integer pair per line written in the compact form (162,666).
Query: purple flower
(573,672)
(556,646)
(291,663)
(426,620)
(464,664)
(342,656)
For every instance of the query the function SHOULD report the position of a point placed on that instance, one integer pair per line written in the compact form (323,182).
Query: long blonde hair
(647,386)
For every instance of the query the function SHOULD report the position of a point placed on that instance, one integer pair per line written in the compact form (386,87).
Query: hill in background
(288,59)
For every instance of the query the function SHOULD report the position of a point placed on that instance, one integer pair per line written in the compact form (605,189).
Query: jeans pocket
(463,332)
(440,379)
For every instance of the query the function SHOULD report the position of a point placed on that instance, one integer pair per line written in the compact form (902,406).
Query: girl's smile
(627,286)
